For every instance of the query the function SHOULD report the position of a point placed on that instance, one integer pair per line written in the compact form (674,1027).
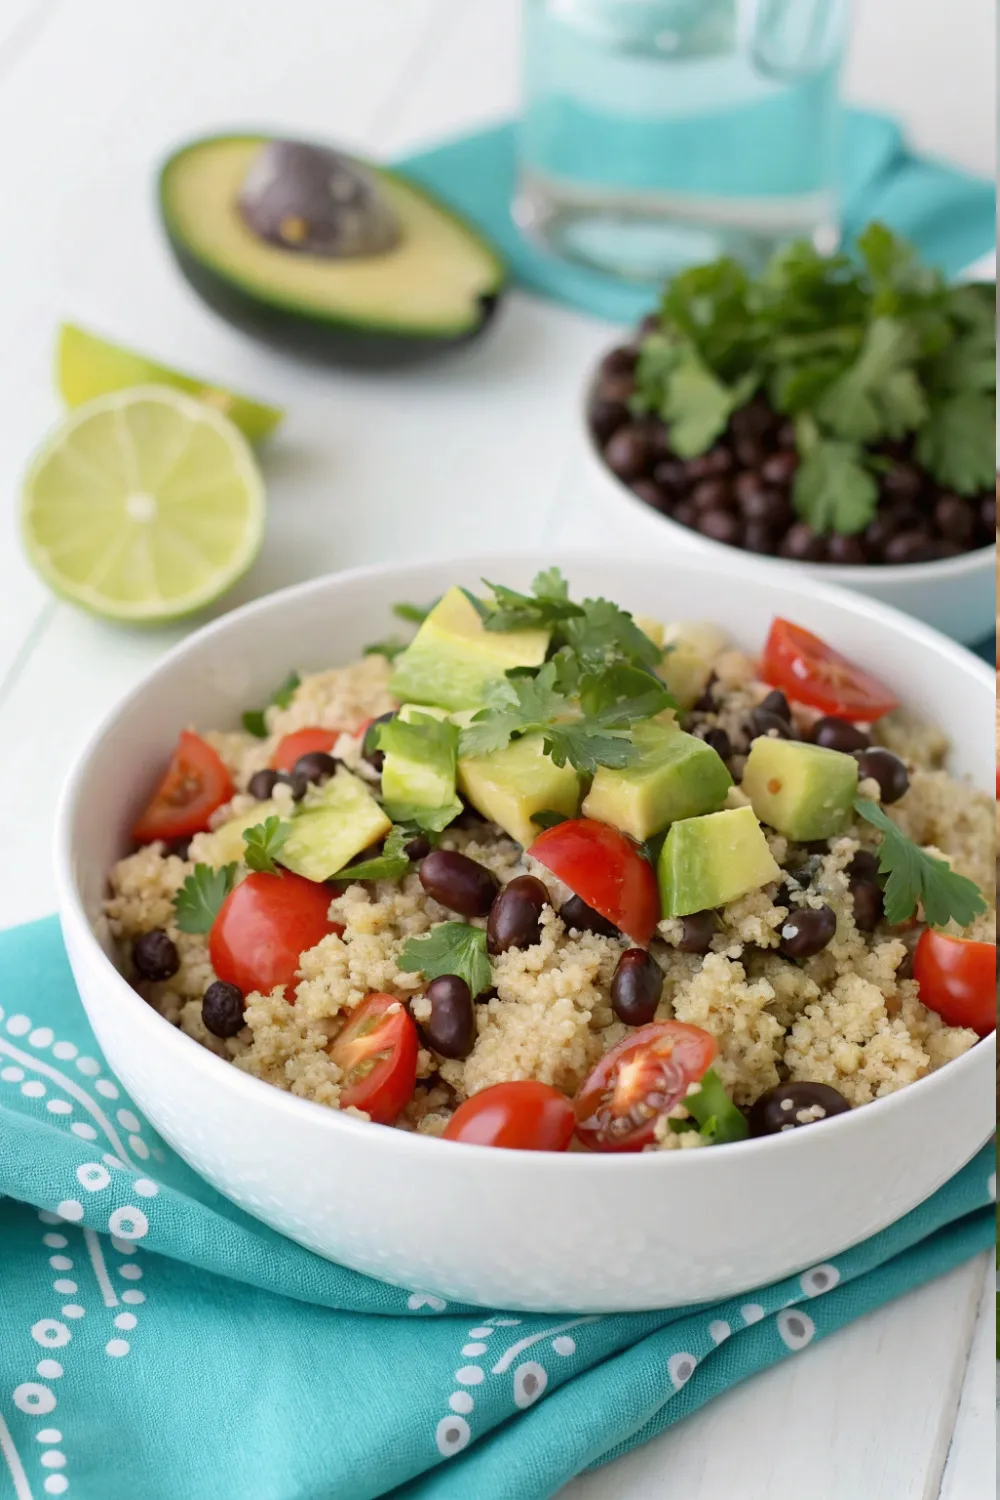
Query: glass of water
(660,133)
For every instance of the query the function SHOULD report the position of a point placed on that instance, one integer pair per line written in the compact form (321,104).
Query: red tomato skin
(521,1116)
(194,784)
(388,1088)
(302,742)
(998,781)
(691,1053)
(811,672)
(957,978)
(605,869)
(264,926)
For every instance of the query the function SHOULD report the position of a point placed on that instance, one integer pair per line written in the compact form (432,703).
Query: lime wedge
(143,506)
(87,366)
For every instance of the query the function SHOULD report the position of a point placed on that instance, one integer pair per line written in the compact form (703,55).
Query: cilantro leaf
(426,819)
(414,614)
(833,489)
(917,877)
(450,948)
(587,747)
(197,903)
(878,395)
(602,634)
(622,696)
(958,442)
(696,405)
(263,843)
(520,705)
(390,648)
(548,603)
(548,819)
(254,721)
(391,864)
(718,1117)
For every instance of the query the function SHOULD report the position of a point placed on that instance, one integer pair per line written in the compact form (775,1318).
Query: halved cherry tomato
(606,870)
(266,923)
(811,672)
(195,784)
(958,979)
(638,1081)
(523,1116)
(998,782)
(377,1050)
(302,742)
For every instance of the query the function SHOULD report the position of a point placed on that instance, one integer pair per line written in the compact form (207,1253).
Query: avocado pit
(314,201)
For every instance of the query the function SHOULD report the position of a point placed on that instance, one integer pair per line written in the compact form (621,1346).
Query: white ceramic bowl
(956,595)
(504,1228)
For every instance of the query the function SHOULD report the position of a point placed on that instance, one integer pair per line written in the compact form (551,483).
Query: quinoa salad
(552,876)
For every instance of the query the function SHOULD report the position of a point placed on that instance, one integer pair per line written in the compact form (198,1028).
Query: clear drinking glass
(660,133)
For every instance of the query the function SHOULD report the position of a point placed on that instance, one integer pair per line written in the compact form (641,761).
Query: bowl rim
(73,916)
(847,574)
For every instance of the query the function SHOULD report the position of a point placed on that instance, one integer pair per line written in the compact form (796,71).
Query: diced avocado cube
(708,861)
(453,659)
(326,835)
(509,786)
(804,791)
(418,774)
(676,776)
(225,846)
(690,648)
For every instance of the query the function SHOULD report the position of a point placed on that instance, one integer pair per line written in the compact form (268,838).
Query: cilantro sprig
(857,351)
(391,864)
(254,721)
(916,877)
(263,844)
(717,1117)
(450,948)
(198,902)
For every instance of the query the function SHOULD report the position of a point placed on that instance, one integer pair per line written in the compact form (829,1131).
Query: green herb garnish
(917,877)
(718,1118)
(253,720)
(263,843)
(858,352)
(390,648)
(548,819)
(391,864)
(197,903)
(414,614)
(451,948)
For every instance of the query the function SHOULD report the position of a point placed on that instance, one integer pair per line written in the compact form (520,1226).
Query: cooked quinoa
(847,1016)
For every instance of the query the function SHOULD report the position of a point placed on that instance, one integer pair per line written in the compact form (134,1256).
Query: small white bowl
(508,1228)
(956,595)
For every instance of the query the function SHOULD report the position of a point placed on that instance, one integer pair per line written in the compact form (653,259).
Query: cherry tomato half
(638,1081)
(811,672)
(195,784)
(523,1116)
(958,979)
(606,870)
(266,923)
(377,1050)
(302,742)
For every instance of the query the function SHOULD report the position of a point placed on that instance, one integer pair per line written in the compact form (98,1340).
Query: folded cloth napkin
(155,1341)
(949,215)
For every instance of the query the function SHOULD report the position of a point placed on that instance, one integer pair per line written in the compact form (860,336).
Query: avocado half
(438,286)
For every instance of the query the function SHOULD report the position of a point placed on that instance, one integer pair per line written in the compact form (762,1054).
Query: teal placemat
(158,1344)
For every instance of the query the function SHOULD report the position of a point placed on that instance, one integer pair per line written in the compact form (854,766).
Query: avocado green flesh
(225,846)
(438,284)
(425,777)
(676,776)
(453,661)
(328,833)
(804,791)
(511,785)
(706,862)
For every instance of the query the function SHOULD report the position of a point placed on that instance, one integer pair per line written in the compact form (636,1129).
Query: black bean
(885,768)
(780,467)
(758,502)
(807,930)
(905,547)
(955,519)
(910,937)
(620,361)
(864,866)
(710,465)
(672,476)
(516,914)
(721,526)
(296,781)
(750,452)
(988,514)
(636,987)
(838,734)
(181,847)
(316,766)
(706,703)
(845,550)
(485,996)
(777,703)
(645,326)
(649,493)
(627,452)
(699,930)
(753,420)
(867,896)
(685,514)
(375,758)
(758,537)
(577,914)
(262,784)
(790,1105)
(802,544)
(902,482)
(606,417)
(155,955)
(712,494)
(451,1027)
(418,848)
(764,722)
(717,738)
(617,387)
(222,1009)
(943,549)
(458,882)
(657,436)
(786,436)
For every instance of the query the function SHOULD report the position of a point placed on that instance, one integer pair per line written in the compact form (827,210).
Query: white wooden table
(475,452)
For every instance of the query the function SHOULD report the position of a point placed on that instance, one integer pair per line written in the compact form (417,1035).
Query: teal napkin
(949,215)
(156,1342)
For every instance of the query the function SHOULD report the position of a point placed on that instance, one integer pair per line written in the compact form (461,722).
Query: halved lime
(143,506)
(87,367)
